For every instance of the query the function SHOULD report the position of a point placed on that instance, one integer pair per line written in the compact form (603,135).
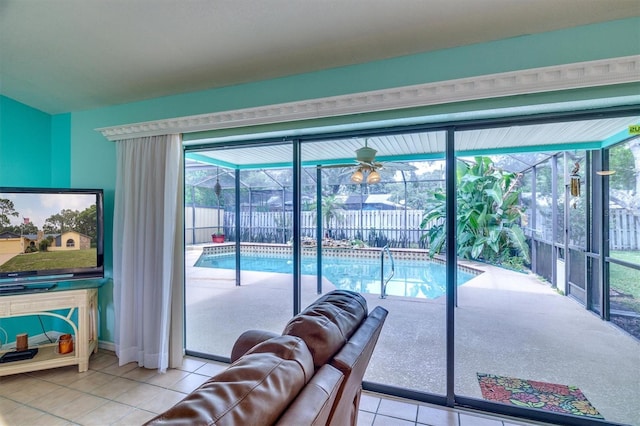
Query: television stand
(62,305)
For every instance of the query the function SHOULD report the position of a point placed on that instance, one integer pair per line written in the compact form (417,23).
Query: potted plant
(218,236)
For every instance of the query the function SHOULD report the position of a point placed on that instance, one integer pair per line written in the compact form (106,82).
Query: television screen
(49,235)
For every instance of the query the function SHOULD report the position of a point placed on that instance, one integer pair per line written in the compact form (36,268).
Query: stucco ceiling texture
(70,55)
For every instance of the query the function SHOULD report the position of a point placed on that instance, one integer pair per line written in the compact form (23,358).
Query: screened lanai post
(284,215)
(404,181)
(565,232)
(597,213)
(534,223)
(250,215)
(193,213)
(588,297)
(554,222)
(319,229)
(297,188)
(360,213)
(237,227)
(604,239)
(451,262)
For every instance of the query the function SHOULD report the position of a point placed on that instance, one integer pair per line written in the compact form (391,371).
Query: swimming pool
(412,278)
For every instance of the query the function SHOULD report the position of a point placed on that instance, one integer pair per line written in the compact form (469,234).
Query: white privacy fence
(624,233)
(624,230)
(201,222)
(398,228)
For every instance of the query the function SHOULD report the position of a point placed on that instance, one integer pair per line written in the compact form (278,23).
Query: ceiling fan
(367,166)
(366,158)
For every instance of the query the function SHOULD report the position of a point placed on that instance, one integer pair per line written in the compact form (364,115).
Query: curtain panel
(147,252)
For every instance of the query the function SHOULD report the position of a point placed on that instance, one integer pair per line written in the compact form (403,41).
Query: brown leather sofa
(310,375)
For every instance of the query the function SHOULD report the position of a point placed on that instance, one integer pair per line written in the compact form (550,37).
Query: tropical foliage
(332,212)
(488,215)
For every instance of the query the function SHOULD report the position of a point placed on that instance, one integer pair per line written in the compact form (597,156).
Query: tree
(621,159)
(85,222)
(25,229)
(7,209)
(488,214)
(332,210)
(624,159)
(59,222)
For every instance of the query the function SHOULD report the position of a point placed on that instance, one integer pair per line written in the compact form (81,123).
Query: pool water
(412,278)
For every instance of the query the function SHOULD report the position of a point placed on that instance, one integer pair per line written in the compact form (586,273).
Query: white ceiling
(70,55)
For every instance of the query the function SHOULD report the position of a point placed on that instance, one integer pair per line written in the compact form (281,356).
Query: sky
(39,207)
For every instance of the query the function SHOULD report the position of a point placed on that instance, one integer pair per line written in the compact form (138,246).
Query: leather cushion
(254,390)
(248,340)
(313,406)
(327,324)
(346,300)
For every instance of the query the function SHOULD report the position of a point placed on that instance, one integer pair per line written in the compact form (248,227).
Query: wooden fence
(624,231)
(398,228)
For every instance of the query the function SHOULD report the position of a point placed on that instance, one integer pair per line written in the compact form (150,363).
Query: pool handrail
(383,281)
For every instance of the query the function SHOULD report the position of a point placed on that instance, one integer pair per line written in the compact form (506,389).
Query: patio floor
(507,323)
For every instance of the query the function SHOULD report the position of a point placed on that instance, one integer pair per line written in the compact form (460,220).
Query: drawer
(59,302)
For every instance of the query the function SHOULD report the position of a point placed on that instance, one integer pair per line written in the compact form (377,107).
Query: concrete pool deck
(507,323)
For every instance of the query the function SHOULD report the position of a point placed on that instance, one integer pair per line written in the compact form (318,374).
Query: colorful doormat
(531,394)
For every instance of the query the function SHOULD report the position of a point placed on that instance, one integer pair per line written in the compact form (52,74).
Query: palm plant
(488,214)
(332,211)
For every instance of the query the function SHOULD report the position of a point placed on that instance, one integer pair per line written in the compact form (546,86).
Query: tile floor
(108,394)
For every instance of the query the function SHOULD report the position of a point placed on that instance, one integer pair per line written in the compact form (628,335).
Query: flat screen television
(50,235)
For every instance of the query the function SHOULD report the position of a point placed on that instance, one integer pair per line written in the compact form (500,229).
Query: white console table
(83,301)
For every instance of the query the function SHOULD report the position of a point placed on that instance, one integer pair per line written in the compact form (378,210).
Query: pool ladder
(384,281)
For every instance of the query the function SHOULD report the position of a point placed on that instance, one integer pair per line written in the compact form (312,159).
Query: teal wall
(25,145)
(25,160)
(78,155)
(61,151)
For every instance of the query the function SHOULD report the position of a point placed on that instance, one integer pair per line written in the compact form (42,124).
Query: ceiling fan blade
(337,166)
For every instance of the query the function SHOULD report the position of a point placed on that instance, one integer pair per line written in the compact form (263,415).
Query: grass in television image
(47,232)
(40,261)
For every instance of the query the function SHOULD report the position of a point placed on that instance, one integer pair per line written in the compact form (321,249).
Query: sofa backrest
(254,390)
(328,323)
(338,331)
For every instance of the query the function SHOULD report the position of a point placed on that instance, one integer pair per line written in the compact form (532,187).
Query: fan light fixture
(374,177)
(366,156)
(357,176)
(606,172)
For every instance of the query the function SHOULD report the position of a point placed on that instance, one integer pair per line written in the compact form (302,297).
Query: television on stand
(49,235)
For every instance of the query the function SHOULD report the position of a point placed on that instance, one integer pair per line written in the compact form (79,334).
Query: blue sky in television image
(39,207)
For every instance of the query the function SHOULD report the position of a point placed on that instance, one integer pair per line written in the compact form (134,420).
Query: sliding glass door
(526,340)
(488,245)
(371,194)
(238,257)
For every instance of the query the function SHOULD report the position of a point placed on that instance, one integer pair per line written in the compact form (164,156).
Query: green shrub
(488,215)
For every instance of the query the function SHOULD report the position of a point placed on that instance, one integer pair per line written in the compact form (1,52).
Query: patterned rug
(532,394)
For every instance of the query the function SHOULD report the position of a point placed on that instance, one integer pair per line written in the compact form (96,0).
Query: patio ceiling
(547,137)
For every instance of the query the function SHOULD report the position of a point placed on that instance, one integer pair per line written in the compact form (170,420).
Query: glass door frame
(451,399)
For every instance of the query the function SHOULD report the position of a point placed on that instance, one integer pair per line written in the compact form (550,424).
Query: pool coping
(270,249)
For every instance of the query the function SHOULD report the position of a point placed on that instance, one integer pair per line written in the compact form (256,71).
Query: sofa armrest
(313,404)
(352,361)
(248,340)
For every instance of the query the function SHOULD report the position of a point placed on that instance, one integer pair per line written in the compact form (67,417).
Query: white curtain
(147,252)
